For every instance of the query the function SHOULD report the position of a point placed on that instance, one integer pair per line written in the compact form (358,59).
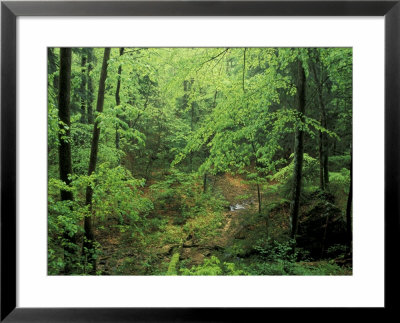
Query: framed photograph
(197,160)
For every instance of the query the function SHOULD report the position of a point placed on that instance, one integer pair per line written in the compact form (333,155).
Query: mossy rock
(321,227)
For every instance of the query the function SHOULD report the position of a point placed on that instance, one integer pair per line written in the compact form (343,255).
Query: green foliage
(204,226)
(63,219)
(273,250)
(173,235)
(310,170)
(285,268)
(340,181)
(183,193)
(183,115)
(337,250)
(172,270)
(280,258)
(336,163)
(126,200)
(125,203)
(235,250)
(174,190)
(310,176)
(212,267)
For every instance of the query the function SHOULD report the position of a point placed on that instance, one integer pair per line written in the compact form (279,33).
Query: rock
(197,259)
(195,256)
(167,250)
(320,228)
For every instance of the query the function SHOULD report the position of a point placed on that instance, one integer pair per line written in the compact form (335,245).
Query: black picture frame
(10,10)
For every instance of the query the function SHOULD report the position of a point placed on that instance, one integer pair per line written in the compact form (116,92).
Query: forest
(199,161)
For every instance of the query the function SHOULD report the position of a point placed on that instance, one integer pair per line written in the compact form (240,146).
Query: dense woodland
(199,161)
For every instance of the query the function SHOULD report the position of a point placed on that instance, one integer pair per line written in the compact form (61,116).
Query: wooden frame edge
(11,10)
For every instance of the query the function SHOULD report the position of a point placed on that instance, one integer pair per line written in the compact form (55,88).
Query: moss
(173,264)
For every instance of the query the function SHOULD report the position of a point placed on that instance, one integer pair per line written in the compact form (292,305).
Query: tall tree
(323,138)
(117,98)
(65,163)
(88,246)
(298,151)
(83,85)
(90,61)
(187,87)
(349,203)
(52,66)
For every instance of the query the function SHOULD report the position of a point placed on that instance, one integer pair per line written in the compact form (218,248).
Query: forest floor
(235,192)
(229,235)
(115,252)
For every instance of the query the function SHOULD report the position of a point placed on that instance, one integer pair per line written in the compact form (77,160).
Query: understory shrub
(212,267)
(309,174)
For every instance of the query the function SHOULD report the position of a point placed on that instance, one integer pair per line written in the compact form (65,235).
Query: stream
(236,207)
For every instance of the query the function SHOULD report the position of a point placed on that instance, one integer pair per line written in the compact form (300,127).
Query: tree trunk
(89,86)
(323,139)
(259,198)
(348,207)
(257,164)
(83,87)
(191,133)
(118,99)
(298,154)
(52,66)
(88,246)
(205,183)
(321,163)
(326,156)
(65,163)
(187,85)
